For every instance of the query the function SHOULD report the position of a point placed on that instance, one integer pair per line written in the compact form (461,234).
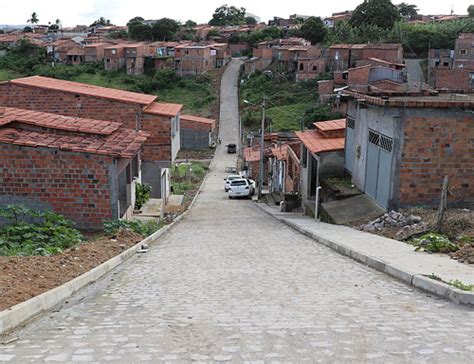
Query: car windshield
(239,182)
(230,178)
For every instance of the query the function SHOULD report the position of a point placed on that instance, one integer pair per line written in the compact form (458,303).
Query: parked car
(240,188)
(231,148)
(230,178)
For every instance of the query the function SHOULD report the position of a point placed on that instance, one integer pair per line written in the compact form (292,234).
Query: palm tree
(33,20)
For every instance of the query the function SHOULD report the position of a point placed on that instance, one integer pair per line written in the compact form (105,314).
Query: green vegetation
(142,228)
(434,243)
(461,285)
(454,282)
(186,177)
(314,30)
(228,15)
(33,232)
(381,13)
(415,38)
(142,194)
(291,105)
(197,93)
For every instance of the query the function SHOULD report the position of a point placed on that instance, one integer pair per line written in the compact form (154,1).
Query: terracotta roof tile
(101,137)
(163,108)
(280,152)
(318,143)
(84,89)
(59,122)
(331,125)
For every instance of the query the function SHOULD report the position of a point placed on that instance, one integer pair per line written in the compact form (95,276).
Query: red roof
(198,119)
(318,143)
(251,154)
(58,122)
(280,152)
(84,89)
(196,122)
(330,125)
(163,108)
(69,134)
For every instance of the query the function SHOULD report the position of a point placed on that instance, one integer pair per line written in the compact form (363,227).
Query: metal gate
(378,168)
(349,150)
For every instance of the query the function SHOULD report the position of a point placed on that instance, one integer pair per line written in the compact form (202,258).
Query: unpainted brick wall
(75,185)
(70,104)
(433,148)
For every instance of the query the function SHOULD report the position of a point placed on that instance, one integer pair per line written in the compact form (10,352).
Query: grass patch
(6,75)
(186,177)
(454,282)
(290,105)
(142,228)
(434,243)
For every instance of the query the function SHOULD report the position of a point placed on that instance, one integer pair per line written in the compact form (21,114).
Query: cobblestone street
(231,284)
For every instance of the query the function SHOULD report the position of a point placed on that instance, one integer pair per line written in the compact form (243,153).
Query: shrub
(142,228)
(434,243)
(34,232)
(142,194)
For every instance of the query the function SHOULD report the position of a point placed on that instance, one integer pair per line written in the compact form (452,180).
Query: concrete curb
(24,312)
(419,281)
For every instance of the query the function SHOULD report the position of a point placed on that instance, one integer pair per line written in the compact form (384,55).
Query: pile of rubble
(409,225)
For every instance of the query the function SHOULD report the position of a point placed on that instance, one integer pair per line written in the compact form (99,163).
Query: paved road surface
(232,284)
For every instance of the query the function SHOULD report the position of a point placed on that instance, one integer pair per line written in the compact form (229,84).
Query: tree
(190,24)
(470,11)
(55,26)
(407,10)
(228,15)
(136,20)
(101,21)
(314,30)
(27,29)
(2,31)
(381,13)
(165,29)
(33,21)
(250,20)
(264,34)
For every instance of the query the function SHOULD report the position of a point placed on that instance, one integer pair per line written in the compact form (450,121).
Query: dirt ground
(458,226)
(22,278)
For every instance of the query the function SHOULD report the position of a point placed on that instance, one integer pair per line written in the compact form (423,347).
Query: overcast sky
(120,11)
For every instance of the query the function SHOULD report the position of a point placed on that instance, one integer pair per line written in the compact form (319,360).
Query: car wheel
(230,197)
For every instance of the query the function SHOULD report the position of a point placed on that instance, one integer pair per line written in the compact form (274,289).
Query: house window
(446,64)
(463,51)
(315,68)
(350,123)
(114,51)
(301,67)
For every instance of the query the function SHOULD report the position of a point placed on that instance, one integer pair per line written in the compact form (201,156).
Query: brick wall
(435,146)
(158,145)
(358,76)
(452,79)
(76,185)
(69,104)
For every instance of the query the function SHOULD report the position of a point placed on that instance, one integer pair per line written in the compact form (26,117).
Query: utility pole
(262,146)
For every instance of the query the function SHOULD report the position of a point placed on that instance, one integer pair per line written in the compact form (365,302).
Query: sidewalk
(386,255)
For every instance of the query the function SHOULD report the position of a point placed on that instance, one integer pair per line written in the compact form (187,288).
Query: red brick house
(134,58)
(192,59)
(285,164)
(134,110)
(114,59)
(82,168)
(94,52)
(345,56)
(399,148)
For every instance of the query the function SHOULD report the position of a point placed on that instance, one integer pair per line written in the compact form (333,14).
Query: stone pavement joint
(363,245)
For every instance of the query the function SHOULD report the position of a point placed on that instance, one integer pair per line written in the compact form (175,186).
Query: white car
(230,178)
(240,188)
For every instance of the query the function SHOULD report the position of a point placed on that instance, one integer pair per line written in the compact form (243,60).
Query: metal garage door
(349,150)
(379,167)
